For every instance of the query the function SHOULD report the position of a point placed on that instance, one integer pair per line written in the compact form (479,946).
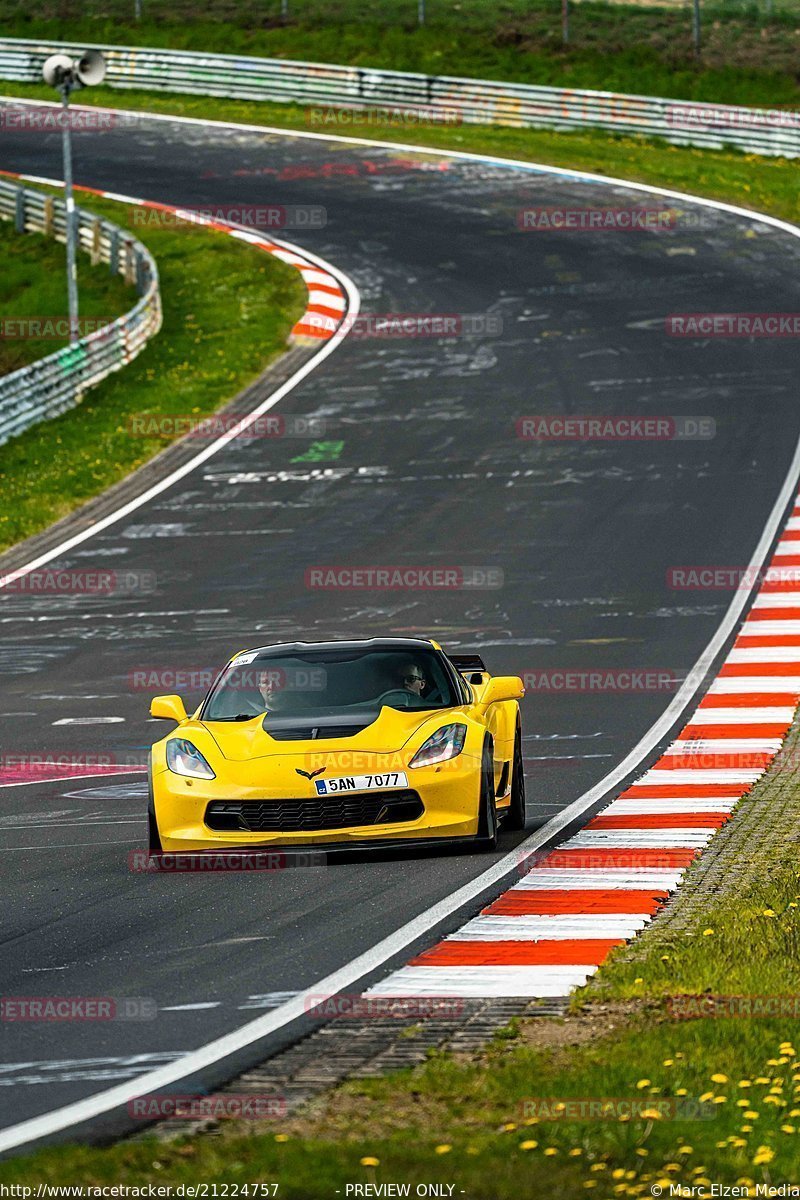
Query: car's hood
(248,740)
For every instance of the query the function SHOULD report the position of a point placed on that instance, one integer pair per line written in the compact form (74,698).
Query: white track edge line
(242,423)
(102,1102)
(435,151)
(65,778)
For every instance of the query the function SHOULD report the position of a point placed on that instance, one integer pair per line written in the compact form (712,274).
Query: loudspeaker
(56,67)
(91,68)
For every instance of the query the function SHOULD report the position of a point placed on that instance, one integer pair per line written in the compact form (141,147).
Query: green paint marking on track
(320,452)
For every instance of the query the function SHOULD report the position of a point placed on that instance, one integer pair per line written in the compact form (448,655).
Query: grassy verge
(228,310)
(630,47)
(33,284)
(765,184)
(717,1097)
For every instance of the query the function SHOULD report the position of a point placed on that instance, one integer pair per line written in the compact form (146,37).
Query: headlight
(185,759)
(446,743)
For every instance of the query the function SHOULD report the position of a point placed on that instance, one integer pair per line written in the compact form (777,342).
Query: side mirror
(503,687)
(168,708)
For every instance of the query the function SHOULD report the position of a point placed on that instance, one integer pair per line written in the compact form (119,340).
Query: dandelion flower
(444,1148)
(529,1145)
(370,1161)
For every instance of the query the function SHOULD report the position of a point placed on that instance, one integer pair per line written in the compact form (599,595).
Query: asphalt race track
(430,472)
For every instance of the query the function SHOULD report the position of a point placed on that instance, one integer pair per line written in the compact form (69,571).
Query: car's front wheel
(515,814)
(153,836)
(486,839)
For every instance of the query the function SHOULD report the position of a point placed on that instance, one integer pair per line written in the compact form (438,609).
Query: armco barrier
(477,101)
(53,384)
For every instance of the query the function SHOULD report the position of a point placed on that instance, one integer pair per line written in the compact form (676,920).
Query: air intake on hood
(307,733)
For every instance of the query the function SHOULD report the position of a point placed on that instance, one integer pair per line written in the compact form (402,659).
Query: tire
(153,836)
(486,840)
(515,814)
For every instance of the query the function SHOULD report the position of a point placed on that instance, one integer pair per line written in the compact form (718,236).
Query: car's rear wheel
(515,814)
(486,839)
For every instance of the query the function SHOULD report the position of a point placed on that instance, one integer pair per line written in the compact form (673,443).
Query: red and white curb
(327,303)
(548,933)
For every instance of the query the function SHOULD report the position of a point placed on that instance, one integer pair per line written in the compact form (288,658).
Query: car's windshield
(330,683)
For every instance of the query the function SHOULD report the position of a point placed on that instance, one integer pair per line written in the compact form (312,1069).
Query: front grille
(314,814)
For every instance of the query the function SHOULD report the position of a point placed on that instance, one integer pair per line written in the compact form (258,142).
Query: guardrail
(56,383)
(437,97)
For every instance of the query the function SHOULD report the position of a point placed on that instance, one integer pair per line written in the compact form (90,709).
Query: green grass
(462,1122)
(718,1099)
(228,310)
(630,47)
(467,1124)
(33,284)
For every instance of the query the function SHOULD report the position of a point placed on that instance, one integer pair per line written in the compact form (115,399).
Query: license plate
(360,783)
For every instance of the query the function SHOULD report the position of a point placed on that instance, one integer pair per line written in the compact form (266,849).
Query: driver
(269,688)
(413,680)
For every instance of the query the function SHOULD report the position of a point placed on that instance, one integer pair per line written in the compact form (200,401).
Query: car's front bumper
(449,793)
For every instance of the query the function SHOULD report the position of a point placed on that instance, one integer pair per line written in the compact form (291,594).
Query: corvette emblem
(309,774)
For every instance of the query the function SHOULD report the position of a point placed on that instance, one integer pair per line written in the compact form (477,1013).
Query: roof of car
(363,644)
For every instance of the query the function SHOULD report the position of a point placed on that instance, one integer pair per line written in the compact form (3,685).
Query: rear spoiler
(467,662)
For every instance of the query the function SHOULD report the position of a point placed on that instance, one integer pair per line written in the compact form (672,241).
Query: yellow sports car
(333,744)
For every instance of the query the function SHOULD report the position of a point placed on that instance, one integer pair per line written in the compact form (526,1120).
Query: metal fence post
(19,211)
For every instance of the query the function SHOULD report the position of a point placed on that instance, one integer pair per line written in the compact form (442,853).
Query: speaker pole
(71,216)
(65,75)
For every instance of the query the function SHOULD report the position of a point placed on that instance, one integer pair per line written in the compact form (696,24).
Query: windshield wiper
(238,717)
